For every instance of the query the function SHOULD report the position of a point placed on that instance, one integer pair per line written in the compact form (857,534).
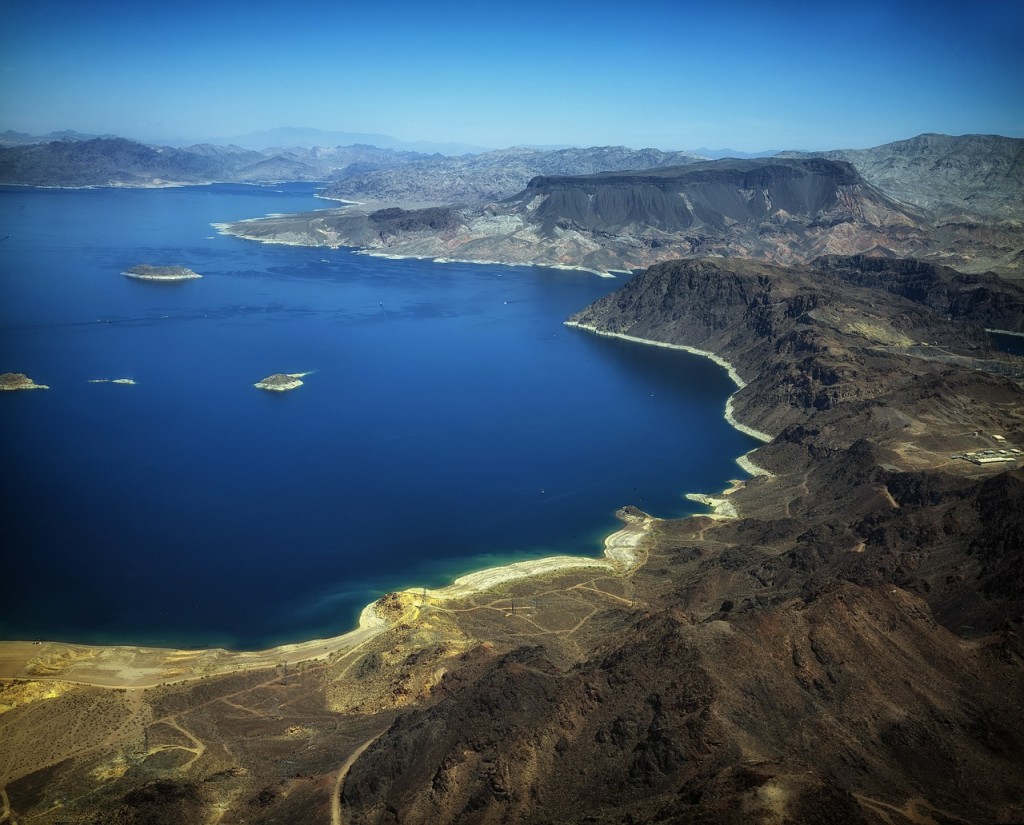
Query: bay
(449,422)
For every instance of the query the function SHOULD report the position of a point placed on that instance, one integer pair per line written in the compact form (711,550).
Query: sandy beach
(134,667)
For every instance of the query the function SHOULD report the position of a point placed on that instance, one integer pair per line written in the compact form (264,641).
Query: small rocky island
(281,382)
(19,381)
(145,272)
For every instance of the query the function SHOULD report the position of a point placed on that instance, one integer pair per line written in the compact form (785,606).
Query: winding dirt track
(342,773)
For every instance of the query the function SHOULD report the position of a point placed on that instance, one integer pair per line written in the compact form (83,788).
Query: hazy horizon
(755,78)
(297,136)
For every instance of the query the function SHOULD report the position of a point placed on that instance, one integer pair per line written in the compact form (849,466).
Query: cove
(449,422)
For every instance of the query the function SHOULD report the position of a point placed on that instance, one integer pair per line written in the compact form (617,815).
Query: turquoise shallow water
(450,422)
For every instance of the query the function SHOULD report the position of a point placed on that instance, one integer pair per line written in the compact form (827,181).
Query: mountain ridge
(974,176)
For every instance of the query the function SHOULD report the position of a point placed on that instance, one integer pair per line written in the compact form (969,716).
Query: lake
(449,421)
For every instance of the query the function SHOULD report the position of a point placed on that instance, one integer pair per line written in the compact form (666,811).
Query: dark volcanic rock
(713,194)
(416,220)
(805,340)
(983,299)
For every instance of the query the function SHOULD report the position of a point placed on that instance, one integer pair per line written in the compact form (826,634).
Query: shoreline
(223,228)
(136,667)
(166,184)
(718,359)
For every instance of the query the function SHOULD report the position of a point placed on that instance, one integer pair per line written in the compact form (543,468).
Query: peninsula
(145,272)
(778,210)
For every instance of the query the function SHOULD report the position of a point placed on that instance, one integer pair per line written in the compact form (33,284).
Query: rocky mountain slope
(967,177)
(847,649)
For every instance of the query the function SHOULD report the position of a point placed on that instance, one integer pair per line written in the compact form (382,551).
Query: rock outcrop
(19,381)
(146,272)
(280,382)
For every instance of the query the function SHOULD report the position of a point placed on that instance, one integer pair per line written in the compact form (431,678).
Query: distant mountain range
(120,162)
(493,175)
(978,176)
(718,154)
(299,137)
(285,137)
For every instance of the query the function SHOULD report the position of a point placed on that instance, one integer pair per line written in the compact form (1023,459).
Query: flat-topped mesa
(713,196)
(279,382)
(146,272)
(19,381)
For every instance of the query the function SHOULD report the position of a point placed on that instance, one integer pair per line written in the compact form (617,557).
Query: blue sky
(679,75)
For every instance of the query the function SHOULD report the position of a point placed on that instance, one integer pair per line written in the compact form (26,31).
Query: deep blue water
(450,422)
(1009,343)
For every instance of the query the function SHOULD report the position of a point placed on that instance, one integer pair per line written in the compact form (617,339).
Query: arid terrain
(846,649)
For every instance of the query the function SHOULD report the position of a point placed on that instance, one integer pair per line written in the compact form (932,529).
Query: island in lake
(146,272)
(281,381)
(19,381)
